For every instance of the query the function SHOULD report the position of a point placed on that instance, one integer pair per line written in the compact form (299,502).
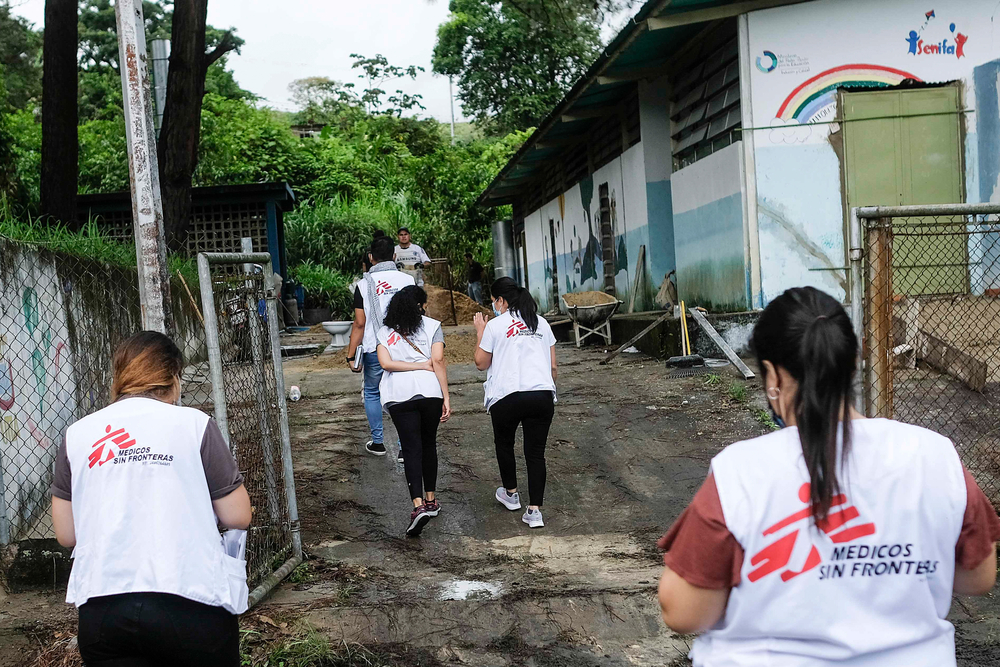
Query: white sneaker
(510,501)
(533,518)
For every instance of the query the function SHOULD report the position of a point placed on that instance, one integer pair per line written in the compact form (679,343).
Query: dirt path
(629,446)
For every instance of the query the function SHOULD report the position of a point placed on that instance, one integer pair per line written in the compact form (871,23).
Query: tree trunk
(181,129)
(180,133)
(60,147)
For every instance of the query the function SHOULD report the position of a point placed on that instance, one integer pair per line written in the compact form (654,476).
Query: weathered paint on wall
(708,228)
(576,220)
(801,60)
(58,318)
(654,116)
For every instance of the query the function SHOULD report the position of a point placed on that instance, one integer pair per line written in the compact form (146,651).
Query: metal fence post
(212,343)
(257,345)
(286,439)
(878,341)
(144,175)
(857,297)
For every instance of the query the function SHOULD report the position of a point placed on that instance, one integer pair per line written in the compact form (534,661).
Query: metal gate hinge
(856,254)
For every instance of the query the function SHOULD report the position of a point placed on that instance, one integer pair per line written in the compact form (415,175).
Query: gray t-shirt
(221,472)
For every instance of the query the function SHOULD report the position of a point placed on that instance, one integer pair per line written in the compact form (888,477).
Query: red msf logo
(516,328)
(381,287)
(775,556)
(120,438)
(394,338)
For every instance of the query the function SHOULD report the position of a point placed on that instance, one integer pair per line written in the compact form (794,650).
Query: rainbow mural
(819,92)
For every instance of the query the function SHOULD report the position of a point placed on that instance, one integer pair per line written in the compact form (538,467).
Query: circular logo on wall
(767,62)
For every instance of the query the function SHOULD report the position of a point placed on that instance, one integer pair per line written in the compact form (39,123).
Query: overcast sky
(292,39)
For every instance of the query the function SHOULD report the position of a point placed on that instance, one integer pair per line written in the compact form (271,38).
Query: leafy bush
(325,288)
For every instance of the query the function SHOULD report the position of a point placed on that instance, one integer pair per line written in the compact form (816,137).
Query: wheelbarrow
(591,319)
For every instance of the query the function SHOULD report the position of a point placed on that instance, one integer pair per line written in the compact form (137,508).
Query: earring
(776,393)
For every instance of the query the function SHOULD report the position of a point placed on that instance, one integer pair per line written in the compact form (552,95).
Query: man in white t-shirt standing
(411,258)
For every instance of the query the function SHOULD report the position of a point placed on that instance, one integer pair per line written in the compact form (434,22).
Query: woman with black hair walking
(414,390)
(517,350)
(837,540)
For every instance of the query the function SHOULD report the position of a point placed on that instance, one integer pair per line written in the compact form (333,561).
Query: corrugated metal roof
(634,48)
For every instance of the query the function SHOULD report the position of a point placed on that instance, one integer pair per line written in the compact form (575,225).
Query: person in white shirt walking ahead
(517,350)
(411,258)
(414,390)
(835,541)
(371,299)
(140,489)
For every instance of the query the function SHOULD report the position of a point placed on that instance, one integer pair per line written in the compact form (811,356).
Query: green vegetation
(310,649)
(88,243)
(738,392)
(325,287)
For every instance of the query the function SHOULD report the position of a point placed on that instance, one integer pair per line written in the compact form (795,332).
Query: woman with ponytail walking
(517,350)
(837,540)
(414,389)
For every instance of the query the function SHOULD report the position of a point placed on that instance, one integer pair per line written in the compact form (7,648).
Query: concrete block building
(723,144)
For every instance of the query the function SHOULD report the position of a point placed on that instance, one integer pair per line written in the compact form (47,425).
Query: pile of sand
(588,299)
(439,306)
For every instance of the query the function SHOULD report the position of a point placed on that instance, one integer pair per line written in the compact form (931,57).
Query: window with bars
(705,103)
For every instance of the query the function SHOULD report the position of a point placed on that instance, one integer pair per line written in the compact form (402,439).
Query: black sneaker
(375,448)
(418,519)
(433,507)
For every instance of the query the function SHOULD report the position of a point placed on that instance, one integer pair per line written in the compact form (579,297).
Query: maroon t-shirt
(702,551)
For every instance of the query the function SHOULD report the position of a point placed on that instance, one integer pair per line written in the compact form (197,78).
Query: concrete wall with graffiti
(708,232)
(800,57)
(60,319)
(563,237)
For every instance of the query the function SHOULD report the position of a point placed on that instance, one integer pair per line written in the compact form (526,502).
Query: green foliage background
(372,167)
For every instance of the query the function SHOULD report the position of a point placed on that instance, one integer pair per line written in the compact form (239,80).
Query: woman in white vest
(837,540)
(140,489)
(517,350)
(414,390)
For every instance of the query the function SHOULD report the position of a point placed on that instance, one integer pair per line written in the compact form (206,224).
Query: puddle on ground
(461,589)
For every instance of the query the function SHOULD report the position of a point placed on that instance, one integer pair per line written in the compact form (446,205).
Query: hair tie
(822,317)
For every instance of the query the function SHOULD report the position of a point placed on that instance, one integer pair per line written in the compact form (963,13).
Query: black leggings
(534,411)
(417,426)
(156,629)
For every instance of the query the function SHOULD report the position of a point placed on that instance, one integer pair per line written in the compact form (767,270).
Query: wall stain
(803,241)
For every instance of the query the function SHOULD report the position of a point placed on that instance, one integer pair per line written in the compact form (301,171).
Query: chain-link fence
(240,306)
(61,318)
(930,326)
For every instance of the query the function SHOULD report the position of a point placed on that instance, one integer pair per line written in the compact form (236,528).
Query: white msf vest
(397,387)
(872,585)
(142,510)
(383,285)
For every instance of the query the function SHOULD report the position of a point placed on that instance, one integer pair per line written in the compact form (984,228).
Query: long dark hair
(518,300)
(405,310)
(807,332)
(146,363)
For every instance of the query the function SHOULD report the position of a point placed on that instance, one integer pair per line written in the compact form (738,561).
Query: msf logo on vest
(382,287)
(394,338)
(777,555)
(119,440)
(516,329)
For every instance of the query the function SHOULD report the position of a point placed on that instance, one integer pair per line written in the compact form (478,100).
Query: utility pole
(451,101)
(144,175)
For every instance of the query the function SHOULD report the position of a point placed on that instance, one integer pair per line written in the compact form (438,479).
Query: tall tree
(181,129)
(60,148)
(20,58)
(514,63)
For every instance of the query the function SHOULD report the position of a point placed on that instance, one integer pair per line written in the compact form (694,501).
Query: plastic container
(294,393)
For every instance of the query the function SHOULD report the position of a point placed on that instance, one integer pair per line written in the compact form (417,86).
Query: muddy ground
(628,448)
